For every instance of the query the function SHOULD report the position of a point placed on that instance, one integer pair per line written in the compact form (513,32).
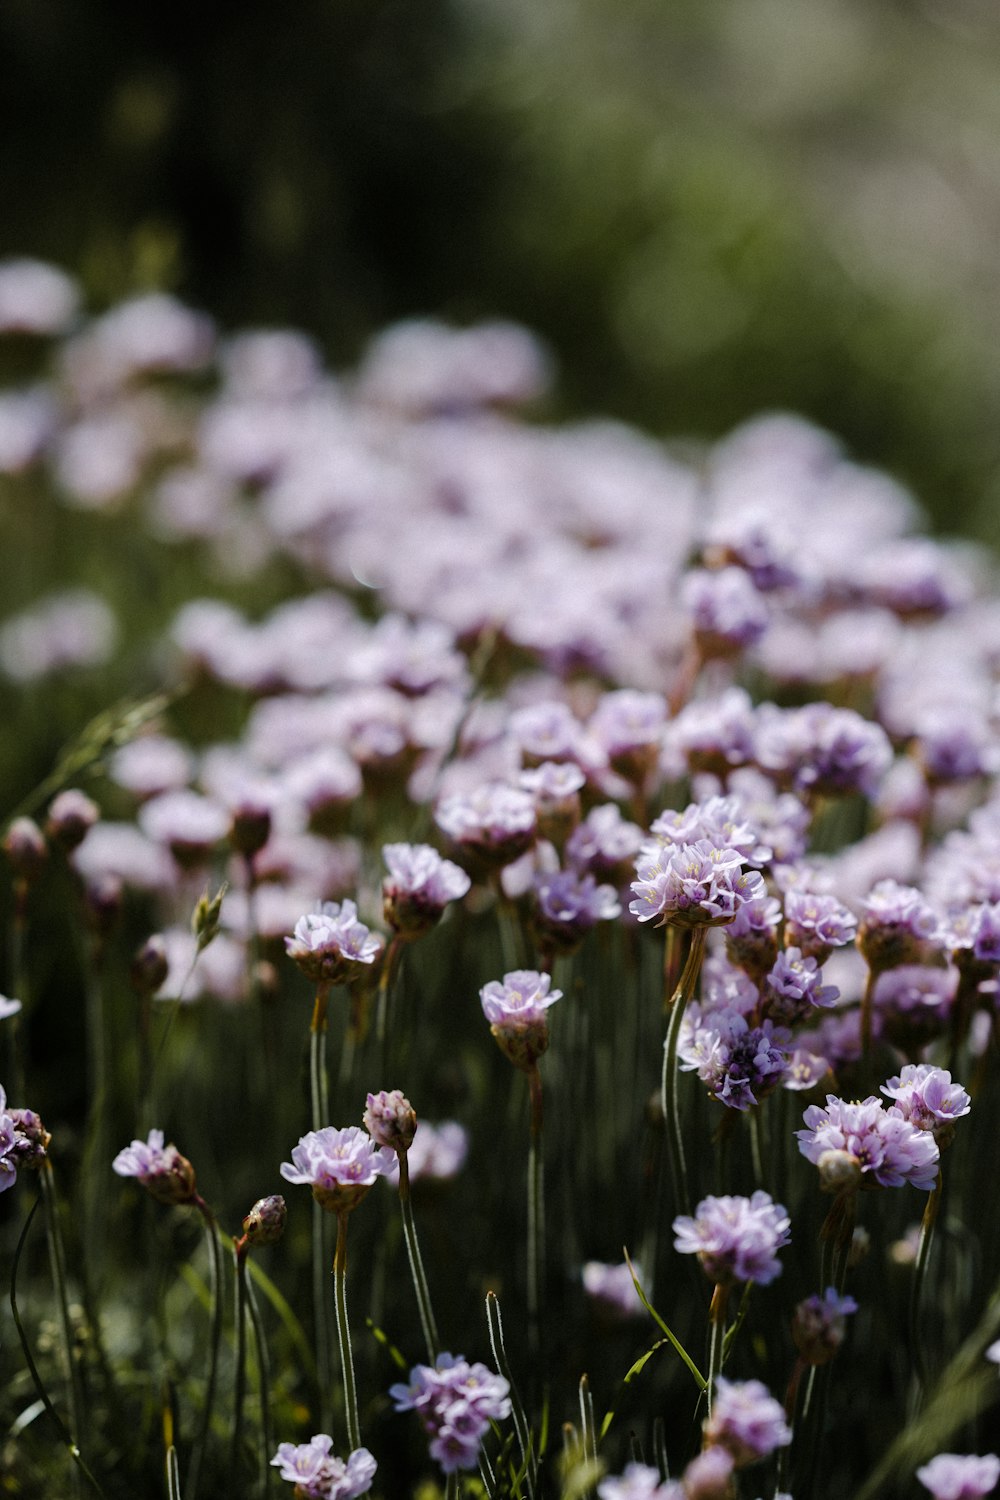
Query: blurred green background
(708,207)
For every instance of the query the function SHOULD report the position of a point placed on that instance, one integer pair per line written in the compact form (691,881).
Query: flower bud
(103,898)
(31,1139)
(172,1181)
(819,1325)
(71,817)
(149,966)
(265,1223)
(26,849)
(390,1120)
(839,1172)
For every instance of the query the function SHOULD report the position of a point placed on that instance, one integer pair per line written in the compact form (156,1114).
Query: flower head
(456,1402)
(418,887)
(954,1476)
(339,1165)
(494,824)
(516,1008)
(882,1145)
(318,1474)
(927,1098)
(736,1239)
(639,1482)
(692,885)
(165,1174)
(746,1420)
(330,945)
(818,1325)
(391,1120)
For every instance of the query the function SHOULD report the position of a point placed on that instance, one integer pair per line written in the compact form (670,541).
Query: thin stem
(240,1370)
(215,1340)
(57,1262)
(536,1212)
(386,995)
(420,1286)
(451,1486)
(919,1278)
(318,1079)
(264,1382)
(321,1309)
(668,1089)
(716,1338)
(344,1334)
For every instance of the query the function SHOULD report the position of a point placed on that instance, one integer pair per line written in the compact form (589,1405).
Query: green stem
(264,1381)
(420,1286)
(344,1334)
(927,1225)
(668,1090)
(716,1338)
(451,1486)
(57,1262)
(321,1310)
(386,995)
(240,1371)
(215,1340)
(318,1078)
(536,1213)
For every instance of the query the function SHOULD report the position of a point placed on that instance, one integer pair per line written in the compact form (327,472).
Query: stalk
(919,1278)
(264,1379)
(344,1334)
(668,1089)
(716,1339)
(420,1286)
(215,1340)
(57,1262)
(240,1370)
(536,1213)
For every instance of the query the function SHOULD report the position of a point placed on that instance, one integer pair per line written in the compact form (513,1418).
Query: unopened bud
(71,817)
(26,849)
(103,898)
(839,1172)
(149,967)
(250,829)
(265,1223)
(819,1325)
(390,1120)
(172,1181)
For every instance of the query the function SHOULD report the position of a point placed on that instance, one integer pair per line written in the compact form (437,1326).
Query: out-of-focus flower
(339,1165)
(456,1402)
(746,1420)
(71,816)
(639,1482)
(794,986)
(8,1007)
(36,298)
(517,1010)
(736,1239)
(493,825)
(438,1153)
(819,1325)
(331,946)
(612,1289)
(165,1174)
(419,886)
(899,926)
(188,824)
(74,628)
(727,612)
(318,1474)
(391,1120)
(954,1476)
(567,906)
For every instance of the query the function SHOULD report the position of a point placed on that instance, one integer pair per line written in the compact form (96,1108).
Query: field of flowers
(502,934)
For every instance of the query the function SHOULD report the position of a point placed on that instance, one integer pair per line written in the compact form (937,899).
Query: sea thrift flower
(746,1421)
(25,847)
(555,786)
(8,1007)
(8,1142)
(438,1153)
(189,824)
(751,937)
(818,1326)
(692,885)
(456,1402)
(339,1165)
(492,825)
(70,818)
(265,1223)
(330,945)
(612,1287)
(639,1482)
(816,923)
(898,927)
(912,1004)
(741,1064)
(391,1120)
(953,1476)
(793,987)
(709,1476)
(877,1144)
(567,906)
(516,1008)
(605,844)
(418,887)
(727,612)
(736,1239)
(318,1475)
(165,1174)
(927,1098)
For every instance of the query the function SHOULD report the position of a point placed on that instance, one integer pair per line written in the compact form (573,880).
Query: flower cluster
(331,945)
(165,1174)
(736,1239)
(871,1143)
(339,1165)
(456,1402)
(318,1474)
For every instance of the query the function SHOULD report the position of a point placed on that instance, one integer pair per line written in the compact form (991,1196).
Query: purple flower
(720,820)
(746,1420)
(727,612)
(822,750)
(818,1326)
(8,1007)
(438,1153)
(516,1009)
(456,1402)
(418,887)
(8,1143)
(709,1476)
(954,1476)
(793,987)
(495,824)
(691,885)
(877,1141)
(339,1165)
(567,906)
(815,923)
(912,1003)
(927,1098)
(612,1287)
(162,1170)
(715,734)
(189,824)
(319,1475)
(736,1239)
(899,926)
(639,1482)
(741,1063)
(330,944)
(751,941)
(605,844)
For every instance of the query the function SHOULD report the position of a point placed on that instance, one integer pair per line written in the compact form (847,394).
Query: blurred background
(707,209)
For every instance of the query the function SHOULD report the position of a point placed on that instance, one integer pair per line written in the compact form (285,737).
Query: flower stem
(240,1369)
(264,1381)
(386,988)
(536,1213)
(427,1322)
(344,1335)
(318,1080)
(215,1340)
(716,1338)
(57,1262)
(668,1089)
(919,1278)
